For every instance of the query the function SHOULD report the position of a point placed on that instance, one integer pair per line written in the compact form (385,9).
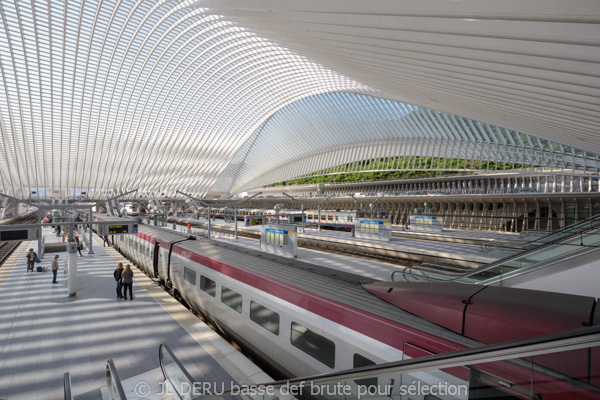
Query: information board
(250,220)
(12,233)
(373,228)
(118,229)
(426,223)
(279,239)
(9,236)
(115,229)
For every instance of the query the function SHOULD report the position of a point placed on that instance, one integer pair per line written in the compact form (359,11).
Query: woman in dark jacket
(117,274)
(127,282)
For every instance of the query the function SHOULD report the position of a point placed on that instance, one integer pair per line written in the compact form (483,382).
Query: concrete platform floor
(44,332)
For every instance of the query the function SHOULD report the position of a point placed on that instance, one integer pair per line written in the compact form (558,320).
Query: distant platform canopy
(218,97)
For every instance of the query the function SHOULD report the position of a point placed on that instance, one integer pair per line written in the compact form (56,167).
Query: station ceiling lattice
(221,96)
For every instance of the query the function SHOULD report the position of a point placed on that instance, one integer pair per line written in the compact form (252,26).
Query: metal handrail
(511,257)
(567,228)
(521,245)
(164,347)
(422,273)
(113,380)
(552,343)
(67,384)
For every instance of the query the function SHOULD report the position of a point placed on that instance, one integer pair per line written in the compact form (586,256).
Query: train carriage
(298,318)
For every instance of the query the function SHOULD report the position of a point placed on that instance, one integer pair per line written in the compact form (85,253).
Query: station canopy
(217,97)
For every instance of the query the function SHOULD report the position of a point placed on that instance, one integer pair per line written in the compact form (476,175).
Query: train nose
(441,303)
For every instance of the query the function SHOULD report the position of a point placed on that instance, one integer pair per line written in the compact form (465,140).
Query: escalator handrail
(113,375)
(520,245)
(568,227)
(174,358)
(504,260)
(553,343)
(67,384)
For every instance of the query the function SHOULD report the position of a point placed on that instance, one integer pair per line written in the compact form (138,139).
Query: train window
(231,299)
(360,361)
(330,217)
(189,275)
(323,217)
(313,344)
(208,285)
(266,318)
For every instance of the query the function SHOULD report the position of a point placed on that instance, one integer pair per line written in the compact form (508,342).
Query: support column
(72,262)
(319,223)
(39,252)
(236,222)
(89,227)
(208,234)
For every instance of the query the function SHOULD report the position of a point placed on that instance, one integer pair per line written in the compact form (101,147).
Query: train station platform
(45,333)
(432,251)
(460,248)
(363,266)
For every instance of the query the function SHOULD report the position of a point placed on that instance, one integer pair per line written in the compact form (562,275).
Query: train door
(155,259)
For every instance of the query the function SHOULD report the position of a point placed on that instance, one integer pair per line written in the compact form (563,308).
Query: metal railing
(566,244)
(67,385)
(512,245)
(113,382)
(175,373)
(512,354)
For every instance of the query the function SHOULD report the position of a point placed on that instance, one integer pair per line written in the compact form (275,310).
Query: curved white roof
(221,96)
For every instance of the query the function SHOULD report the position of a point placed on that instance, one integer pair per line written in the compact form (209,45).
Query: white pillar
(72,260)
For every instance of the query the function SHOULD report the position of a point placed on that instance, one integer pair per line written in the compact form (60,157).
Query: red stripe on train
(376,327)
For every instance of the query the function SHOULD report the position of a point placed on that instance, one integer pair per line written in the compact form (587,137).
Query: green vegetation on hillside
(425,167)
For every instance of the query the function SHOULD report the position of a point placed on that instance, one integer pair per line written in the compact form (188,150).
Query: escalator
(179,382)
(113,382)
(553,250)
(112,391)
(517,246)
(545,367)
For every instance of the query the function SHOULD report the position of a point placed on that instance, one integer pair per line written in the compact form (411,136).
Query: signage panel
(279,239)
(373,228)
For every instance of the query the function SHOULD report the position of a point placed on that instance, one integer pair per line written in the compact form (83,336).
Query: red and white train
(303,319)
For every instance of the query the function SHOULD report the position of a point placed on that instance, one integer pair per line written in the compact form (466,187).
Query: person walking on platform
(78,246)
(106,241)
(31,256)
(117,274)
(55,268)
(127,282)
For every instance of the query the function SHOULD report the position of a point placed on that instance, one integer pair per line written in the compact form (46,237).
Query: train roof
(339,286)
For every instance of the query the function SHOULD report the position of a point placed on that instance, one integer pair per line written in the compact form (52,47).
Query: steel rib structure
(222,96)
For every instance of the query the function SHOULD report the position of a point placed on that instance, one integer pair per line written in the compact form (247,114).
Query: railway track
(7,248)
(315,245)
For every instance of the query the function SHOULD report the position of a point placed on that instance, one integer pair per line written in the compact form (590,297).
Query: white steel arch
(221,96)
(105,96)
(336,133)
